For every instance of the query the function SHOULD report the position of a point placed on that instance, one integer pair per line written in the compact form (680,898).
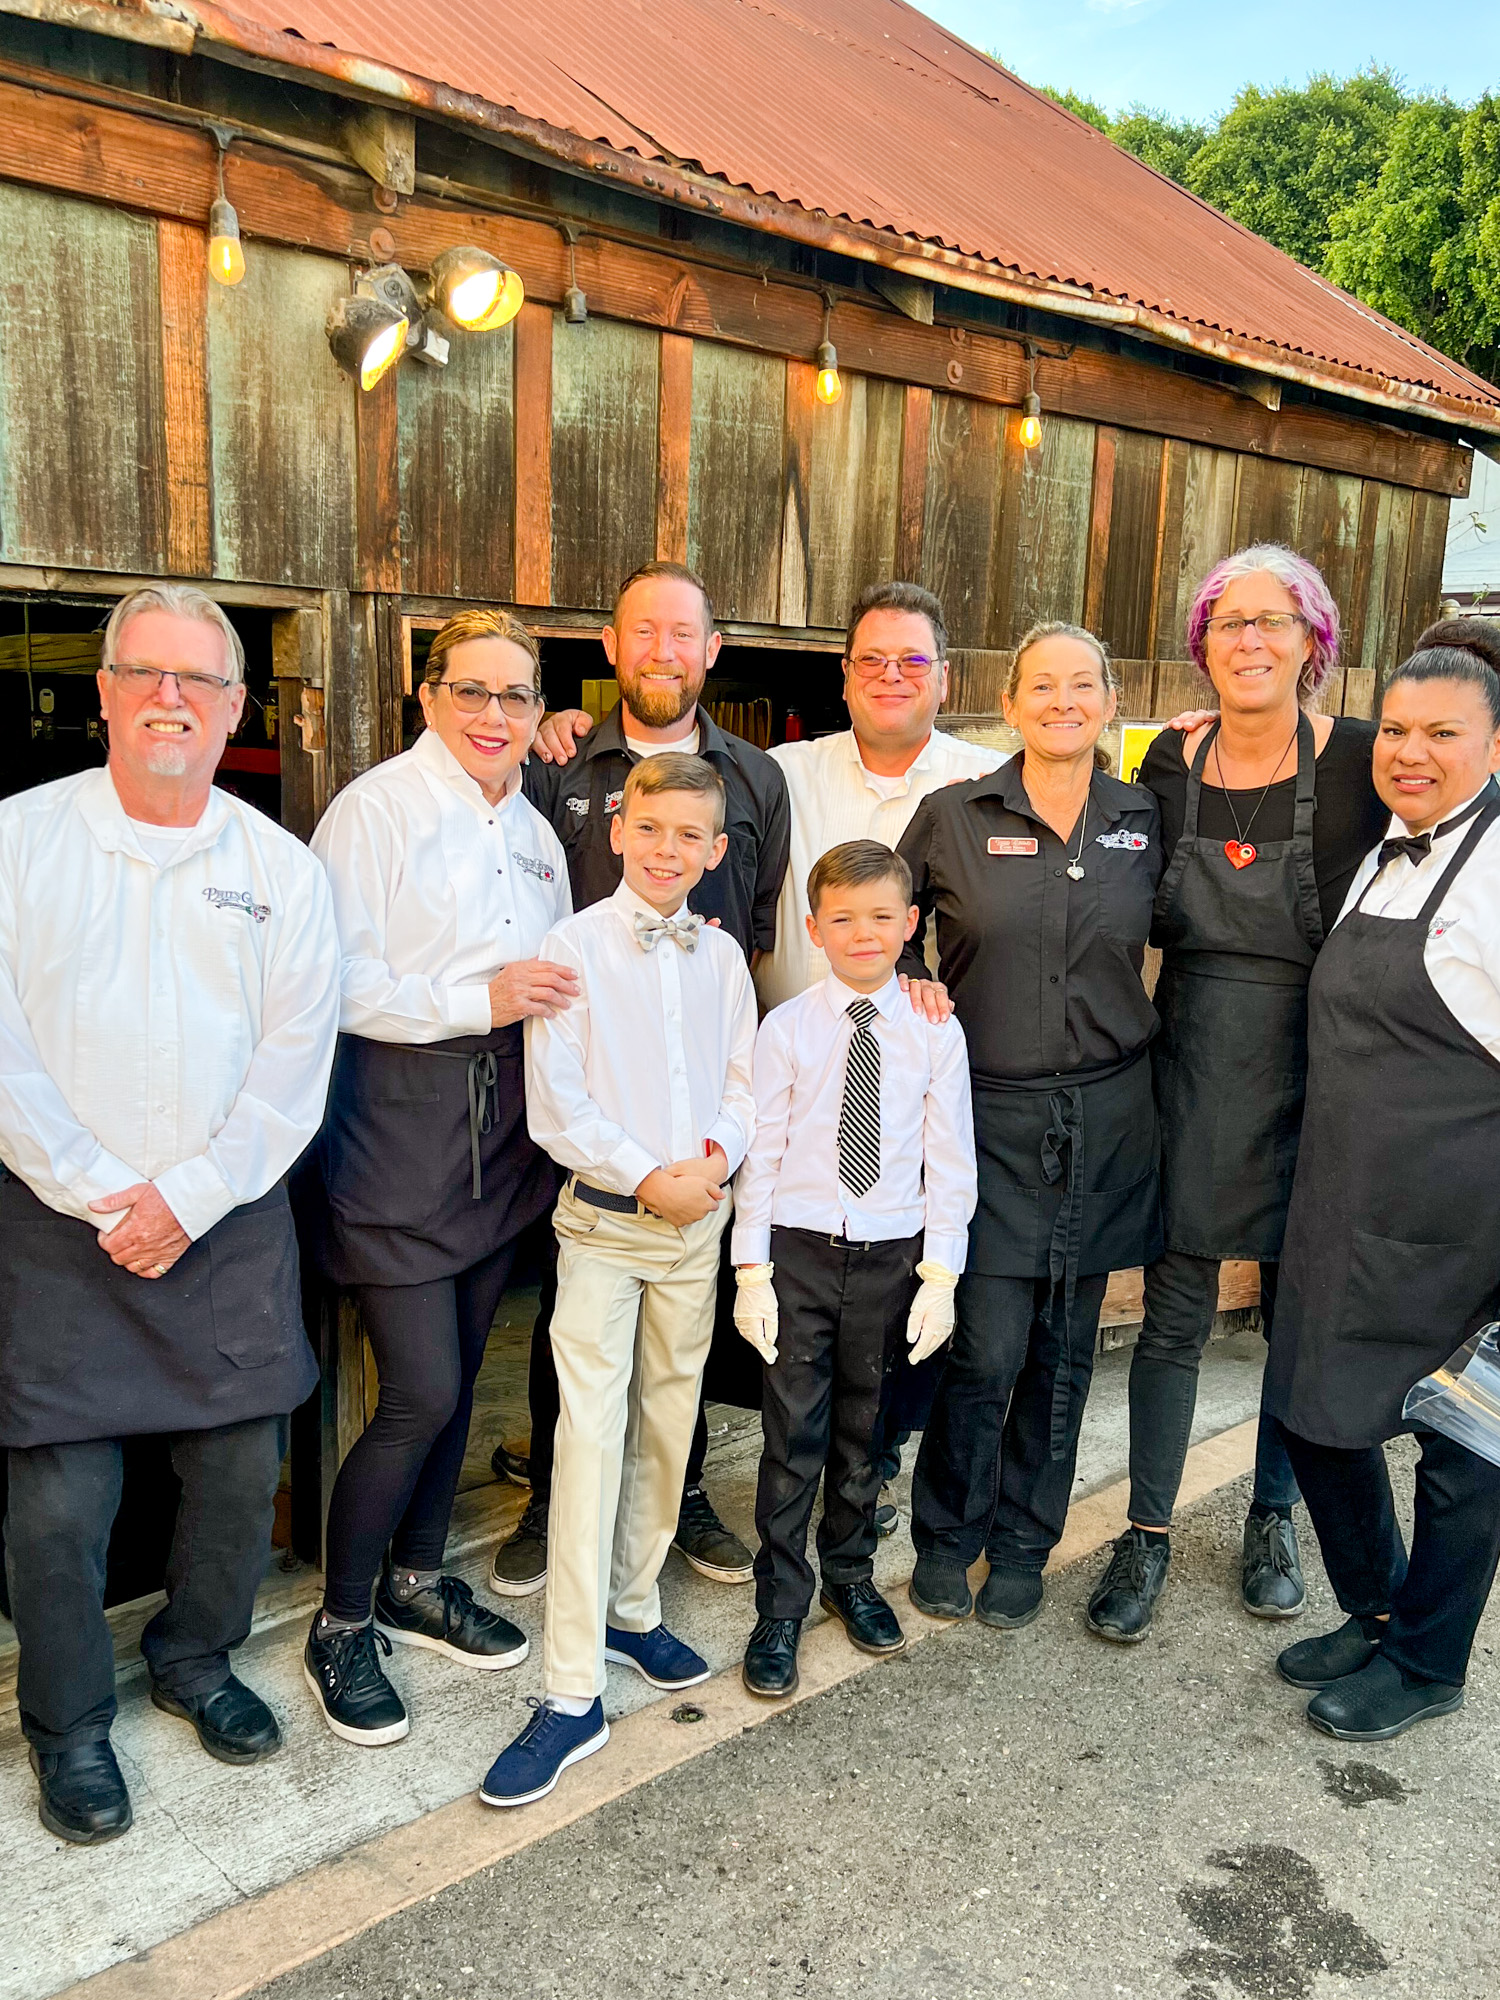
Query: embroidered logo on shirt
(1440,926)
(1012,844)
(580,807)
(237,899)
(1136,843)
(529,864)
(612,800)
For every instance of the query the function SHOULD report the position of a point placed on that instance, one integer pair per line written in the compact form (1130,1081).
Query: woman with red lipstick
(1266,812)
(445,881)
(1392,1256)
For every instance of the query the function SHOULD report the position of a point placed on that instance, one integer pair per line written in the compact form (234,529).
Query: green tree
(1081,107)
(1168,144)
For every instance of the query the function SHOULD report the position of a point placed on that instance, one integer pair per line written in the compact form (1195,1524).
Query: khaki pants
(630,1335)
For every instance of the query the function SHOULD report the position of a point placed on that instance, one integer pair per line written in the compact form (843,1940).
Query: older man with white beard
(169,975)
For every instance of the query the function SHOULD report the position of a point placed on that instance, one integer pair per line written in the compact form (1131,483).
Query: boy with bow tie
(642,1090)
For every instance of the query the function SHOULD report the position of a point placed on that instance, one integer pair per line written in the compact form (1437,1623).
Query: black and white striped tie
(859,1116)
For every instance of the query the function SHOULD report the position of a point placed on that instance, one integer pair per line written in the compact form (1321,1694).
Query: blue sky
(1188,57)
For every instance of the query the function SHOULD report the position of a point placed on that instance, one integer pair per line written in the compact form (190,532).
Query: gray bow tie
(682,930)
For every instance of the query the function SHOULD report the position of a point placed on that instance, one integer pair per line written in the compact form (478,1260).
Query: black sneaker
(343,1670)
(520,1565)
(445,1619)
(1122,1605)
(1379,1702)
(1271,1582)
(708,1545)
(1332,1656)
(513,1466)
(1009,1598)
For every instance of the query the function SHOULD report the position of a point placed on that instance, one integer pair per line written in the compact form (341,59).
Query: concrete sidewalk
(207,1836)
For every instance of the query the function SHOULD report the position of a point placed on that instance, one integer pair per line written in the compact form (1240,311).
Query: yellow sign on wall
(1136,739)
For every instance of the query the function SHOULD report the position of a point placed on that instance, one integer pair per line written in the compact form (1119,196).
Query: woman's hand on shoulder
(929,997)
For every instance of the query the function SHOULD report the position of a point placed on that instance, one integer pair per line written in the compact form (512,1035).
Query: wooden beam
(533,406)
(384,143)
(1100,516)
(796,491)
(377,548)
(110,154)
(916,434)
(908,295)
(674,434)
(182,265)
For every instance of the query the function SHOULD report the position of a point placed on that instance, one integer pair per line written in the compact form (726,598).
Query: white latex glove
(930,1321)
(756,1313)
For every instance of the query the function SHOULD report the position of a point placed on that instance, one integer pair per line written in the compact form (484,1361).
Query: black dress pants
(1437,1596)
(397,1485)
(985,1477)
(843,1311)
(63,1501)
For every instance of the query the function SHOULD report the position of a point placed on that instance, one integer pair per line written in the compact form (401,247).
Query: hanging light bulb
(829,385)
(475,290)
(226,254)
(1031,405)
(575,299)
(367,337)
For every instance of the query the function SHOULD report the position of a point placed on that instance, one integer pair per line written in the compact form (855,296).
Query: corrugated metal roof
(866,110)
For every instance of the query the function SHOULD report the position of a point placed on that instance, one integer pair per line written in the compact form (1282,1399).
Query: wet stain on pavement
(1361,1784)
(1270,1929)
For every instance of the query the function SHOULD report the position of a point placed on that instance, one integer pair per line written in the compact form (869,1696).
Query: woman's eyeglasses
(473,698)
(1267,623)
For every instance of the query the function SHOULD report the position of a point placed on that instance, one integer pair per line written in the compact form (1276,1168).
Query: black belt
(484,1099)
(618,1204)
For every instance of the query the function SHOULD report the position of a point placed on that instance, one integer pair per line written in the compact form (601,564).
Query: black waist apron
(89,1350)
(1067,1187)
(1392,1251)
(426,1163)
(1230,1062)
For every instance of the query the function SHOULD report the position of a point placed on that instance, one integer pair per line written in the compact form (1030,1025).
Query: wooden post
(674,436)
(182,264)
(1099,524)
(916,431)
(533,405)
(796,491)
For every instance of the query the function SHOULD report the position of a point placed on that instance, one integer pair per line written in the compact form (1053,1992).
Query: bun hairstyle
(1458,649)
(1057,628)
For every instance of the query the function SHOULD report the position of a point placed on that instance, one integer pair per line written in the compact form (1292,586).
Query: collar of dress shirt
(629,904)
(920,764)
(838,995)
(1398,829)
(1107,795)
(438,762)
(107,820)
(610,736)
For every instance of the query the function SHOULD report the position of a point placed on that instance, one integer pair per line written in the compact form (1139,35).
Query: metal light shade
(367,337)
(475,290)
(829,386)
(1031,420)
(226,254)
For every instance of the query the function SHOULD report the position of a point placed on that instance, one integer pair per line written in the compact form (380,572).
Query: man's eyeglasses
(473,698)
(875,666)
(1267,623)
(148,680)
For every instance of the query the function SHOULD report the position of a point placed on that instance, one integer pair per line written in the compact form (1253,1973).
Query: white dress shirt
(834,798)
(928,1180)
(653,1060)
(1462,952)
(435,890)
(170,1022)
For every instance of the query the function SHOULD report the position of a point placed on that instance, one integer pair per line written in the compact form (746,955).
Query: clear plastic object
(1462,1398)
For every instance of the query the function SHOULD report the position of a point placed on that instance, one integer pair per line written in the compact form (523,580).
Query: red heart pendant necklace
(1241,851)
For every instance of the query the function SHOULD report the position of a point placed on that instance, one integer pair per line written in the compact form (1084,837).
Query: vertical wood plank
(734,514)
(855,496)
(1042,544)
(959,521)
(182,265)
(1102,500)
(1392,535)
(796,490)
(1125,612)
(1424,567)
(1328,535)
(533,436)
(1163,497)
(1199,533)
(916,435)
(457,471)
(1266,502)
(377,547)
(674,447)
(605,396)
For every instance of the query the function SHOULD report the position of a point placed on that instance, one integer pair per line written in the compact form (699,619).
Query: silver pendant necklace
(1075,866)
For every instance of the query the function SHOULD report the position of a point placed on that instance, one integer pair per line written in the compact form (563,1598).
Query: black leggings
(396,1487)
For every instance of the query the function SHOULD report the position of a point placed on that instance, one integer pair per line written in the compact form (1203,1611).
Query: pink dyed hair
(1296,575)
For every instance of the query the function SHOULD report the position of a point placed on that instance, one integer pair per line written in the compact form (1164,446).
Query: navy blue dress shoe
(656,1656)
(549,1743)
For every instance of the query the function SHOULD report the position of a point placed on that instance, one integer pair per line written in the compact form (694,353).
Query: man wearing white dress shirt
(168,1006)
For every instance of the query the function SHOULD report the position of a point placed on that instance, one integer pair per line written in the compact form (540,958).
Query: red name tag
(1015,845)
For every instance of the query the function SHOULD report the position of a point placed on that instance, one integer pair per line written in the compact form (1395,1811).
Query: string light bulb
(1031,405)
(829,384)
(226,253)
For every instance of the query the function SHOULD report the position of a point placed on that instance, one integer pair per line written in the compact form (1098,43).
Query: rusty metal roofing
(869,112)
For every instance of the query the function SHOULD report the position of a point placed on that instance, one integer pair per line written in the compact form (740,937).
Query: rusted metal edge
(160,26)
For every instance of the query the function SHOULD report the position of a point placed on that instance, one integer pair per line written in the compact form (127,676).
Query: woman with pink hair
(1267,811)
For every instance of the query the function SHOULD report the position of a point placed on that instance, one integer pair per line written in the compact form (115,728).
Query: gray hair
(1058,628)
(179,600)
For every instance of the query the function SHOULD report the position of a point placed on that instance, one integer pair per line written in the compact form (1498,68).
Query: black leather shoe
(83,1796)
(771,1657)
(232,1721)
(512,1466)
(1378,1703)
(1009,1598)
(1317,1663)
(868,1619)
(941,1589)
(1124,1600)
(446,1619)
(1271,1584)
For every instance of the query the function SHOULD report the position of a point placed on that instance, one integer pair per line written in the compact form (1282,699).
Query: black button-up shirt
(1045,972)
(579,799)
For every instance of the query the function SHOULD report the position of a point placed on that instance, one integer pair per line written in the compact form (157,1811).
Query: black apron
(1392,1254)
(1068,1188)
(89,1350)
(1230,1063)
(425,1163)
